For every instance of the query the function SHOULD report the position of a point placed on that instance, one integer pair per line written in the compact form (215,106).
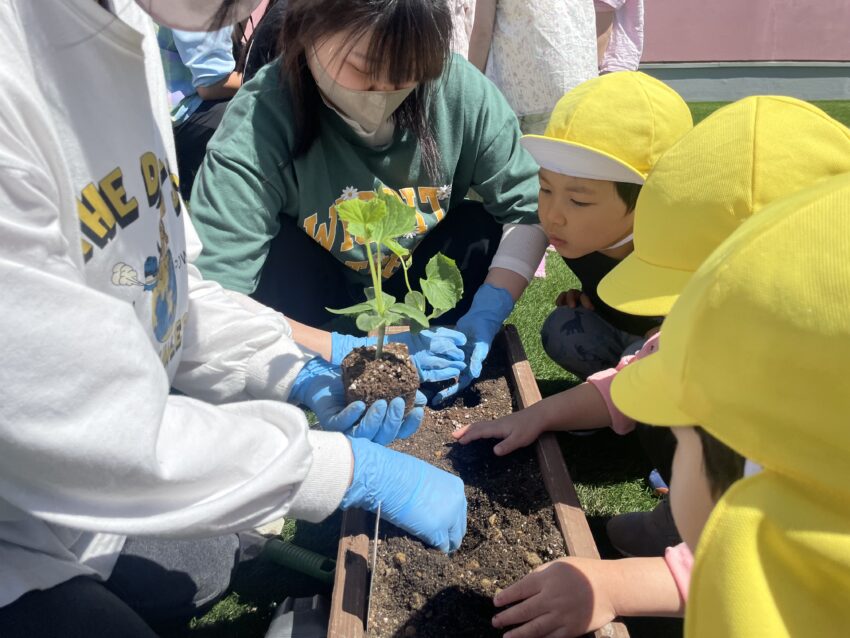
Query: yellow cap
(756,351)
(726,169)
(613,127)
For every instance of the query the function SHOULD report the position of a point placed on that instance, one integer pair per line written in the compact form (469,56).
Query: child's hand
(517,431)
(573,298)
(566,598)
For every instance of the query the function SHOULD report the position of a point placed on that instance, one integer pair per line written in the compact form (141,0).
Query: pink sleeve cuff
(620,423)
(680,561)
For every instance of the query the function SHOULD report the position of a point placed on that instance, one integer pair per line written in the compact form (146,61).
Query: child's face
(580,215)
(690,495)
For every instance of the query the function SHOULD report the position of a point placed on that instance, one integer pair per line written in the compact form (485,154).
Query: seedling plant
(379,223)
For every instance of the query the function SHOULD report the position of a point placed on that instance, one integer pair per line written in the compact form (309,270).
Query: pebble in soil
(510,529)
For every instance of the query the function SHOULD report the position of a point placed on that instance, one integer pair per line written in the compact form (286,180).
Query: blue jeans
(582,342)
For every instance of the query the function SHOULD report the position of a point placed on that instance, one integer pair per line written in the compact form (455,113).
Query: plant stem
(379,346)
(376,280)
(406,280)
(374,269)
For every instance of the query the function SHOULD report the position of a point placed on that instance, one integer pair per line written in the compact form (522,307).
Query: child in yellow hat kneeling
(602,140)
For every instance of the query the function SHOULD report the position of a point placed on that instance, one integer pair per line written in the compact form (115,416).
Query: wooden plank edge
(572,522)
(351,580)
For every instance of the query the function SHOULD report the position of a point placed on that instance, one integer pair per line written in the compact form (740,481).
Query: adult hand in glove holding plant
(319,388)
(437,354)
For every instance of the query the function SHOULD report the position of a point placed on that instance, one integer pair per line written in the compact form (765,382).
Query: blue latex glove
(436,354)
(384,423)
(415,496)
(319,387)
(490,307)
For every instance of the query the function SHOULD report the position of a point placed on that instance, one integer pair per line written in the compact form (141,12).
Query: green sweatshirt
(249,177)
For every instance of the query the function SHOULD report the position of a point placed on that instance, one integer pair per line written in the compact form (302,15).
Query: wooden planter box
(351,582)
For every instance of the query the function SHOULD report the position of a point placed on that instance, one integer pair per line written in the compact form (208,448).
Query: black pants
(155,583)
(659,444)
(191,138)
(301,279)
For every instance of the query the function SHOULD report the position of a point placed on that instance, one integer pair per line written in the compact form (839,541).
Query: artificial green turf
(608,469)
(701,110)
(839,109)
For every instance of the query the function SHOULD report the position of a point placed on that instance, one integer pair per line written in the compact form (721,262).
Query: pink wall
(727,30)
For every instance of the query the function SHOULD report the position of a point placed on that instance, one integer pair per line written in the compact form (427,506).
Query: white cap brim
(569,158)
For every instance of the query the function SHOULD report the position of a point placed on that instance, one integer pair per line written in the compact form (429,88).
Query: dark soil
(393,375)
(510,529)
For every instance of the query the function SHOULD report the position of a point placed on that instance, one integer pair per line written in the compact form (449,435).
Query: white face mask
(369,109)
(751,468)
(193,15)
(622,242)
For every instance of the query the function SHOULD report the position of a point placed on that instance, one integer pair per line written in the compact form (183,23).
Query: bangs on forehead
(409,43)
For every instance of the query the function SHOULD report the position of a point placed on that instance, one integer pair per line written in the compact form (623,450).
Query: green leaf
(399,219)
(415,299)
(388,300)
(397,248)
(393,318)
(362,218)
(369,321)
(410,312)
(353,310)
(443,286)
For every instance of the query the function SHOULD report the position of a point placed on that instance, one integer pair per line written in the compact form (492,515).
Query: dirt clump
(393,375)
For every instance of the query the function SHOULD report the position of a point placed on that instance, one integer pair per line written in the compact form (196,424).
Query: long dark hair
(411,41)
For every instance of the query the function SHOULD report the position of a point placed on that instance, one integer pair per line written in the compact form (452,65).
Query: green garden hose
(301,560)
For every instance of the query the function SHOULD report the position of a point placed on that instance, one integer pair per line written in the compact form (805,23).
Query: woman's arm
(482,33)
(223,89)
(209,57)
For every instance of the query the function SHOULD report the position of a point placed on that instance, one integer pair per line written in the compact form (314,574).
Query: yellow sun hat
(756,352)
(613,127)
(736,161)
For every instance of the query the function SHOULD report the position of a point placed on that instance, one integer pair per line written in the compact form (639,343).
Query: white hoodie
(102,313)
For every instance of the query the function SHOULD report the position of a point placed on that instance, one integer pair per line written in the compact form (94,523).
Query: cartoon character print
(160,279)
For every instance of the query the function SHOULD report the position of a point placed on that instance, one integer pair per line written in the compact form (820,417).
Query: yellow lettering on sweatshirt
(429,194)
(408,195)
(357,265)
(87,248)
(112,188)
(175,194)
(96,219)
(324,233)
(390,266)
(149,165)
